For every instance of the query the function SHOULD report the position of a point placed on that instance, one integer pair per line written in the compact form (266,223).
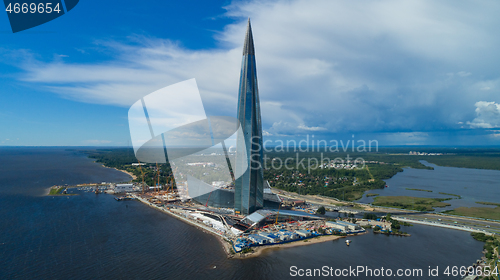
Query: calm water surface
(92,236)
(472,184)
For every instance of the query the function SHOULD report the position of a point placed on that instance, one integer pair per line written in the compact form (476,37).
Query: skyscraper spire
(249,188)
(248,46)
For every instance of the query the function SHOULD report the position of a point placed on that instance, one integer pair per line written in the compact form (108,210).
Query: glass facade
(249,188)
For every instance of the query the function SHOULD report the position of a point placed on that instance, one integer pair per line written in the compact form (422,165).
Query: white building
(350,226)
(303,233)
(124,188)
(335,225)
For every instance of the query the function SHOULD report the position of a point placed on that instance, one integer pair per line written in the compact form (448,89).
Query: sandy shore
(257,251)
(124,171)
(132,175)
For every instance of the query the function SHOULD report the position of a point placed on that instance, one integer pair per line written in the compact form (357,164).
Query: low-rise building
(350,226)
(337,226)
(286,235)
(271,237)
(124,188)
(258,239)
(303,233)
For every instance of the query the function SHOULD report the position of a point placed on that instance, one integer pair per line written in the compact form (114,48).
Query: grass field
(420,190)
(458,196)
(477,212)
(56,191)
(488,203)
(371,194)
(409,202)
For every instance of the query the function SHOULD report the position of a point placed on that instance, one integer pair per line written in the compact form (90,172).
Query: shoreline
(259,250)
(124,171)
(227,248)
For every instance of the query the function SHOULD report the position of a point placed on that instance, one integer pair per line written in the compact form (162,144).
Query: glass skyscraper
(249,188)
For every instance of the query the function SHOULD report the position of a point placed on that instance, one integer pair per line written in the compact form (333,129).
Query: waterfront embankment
(257,251)
(226,243)
(437,224)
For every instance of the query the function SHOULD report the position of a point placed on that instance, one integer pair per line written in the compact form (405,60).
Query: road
(432,218)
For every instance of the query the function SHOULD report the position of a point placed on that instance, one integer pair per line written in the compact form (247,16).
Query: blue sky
(399,72)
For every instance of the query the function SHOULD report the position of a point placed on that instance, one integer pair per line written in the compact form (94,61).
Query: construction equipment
(143,186)
(278,214)
(158,177)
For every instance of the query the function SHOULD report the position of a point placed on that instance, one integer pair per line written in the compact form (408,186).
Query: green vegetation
(246,250)
(309,179)
(321,210)
(480,158)
(56,191)
(372,194)
(300,172)
(59,191)
(345,184)
(479,236)
(395,226)
(420,190)
(488,203)
(122,158)
(370,216)
(380,165)
(491,246)
(477,212)
(411,203)
(321,230)
(478,161)
(458,196)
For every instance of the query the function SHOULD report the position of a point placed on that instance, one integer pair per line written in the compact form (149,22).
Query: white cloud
(487,115)
(331,66)
(313,128)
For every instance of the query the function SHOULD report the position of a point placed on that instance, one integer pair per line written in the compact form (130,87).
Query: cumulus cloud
(326,66)
(313,128)
(487,115)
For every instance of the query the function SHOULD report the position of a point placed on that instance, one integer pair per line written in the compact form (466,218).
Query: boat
(347,242)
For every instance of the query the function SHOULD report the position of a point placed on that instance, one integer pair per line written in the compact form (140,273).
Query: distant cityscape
(413,153)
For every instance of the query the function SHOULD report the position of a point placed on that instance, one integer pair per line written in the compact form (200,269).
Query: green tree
(321,210)
(369,216)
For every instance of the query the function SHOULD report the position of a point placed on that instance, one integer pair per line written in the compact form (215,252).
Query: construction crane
(158,178)
(278,214)
(209,194)
(228,161)
(143,186)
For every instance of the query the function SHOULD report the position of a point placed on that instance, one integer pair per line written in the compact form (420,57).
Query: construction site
(271,225)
